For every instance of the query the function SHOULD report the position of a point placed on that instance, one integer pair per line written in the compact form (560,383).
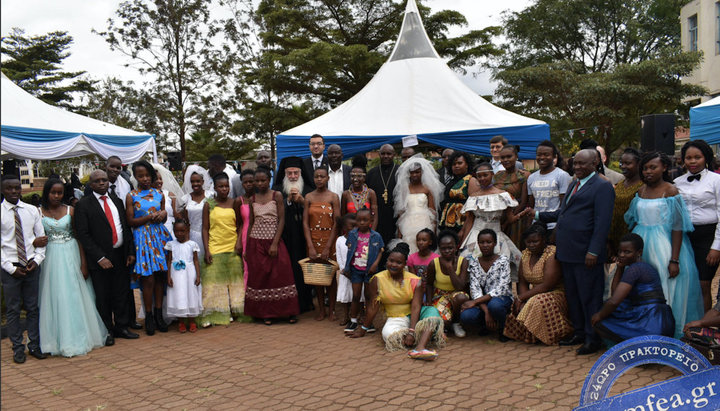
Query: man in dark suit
(583,223)
(103,231)
(338,173)
(317,159)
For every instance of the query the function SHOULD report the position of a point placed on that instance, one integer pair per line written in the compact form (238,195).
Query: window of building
(693,32)
(25,181)
(24,173)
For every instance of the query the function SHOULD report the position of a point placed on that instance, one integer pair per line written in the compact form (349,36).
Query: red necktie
(577,185)
(111,220)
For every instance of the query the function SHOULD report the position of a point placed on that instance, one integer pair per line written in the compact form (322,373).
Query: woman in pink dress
(248,182)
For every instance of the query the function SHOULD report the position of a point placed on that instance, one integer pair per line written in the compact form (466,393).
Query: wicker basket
(318,273)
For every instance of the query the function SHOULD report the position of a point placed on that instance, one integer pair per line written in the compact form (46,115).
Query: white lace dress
(194,211)
(415,218)
(488,211)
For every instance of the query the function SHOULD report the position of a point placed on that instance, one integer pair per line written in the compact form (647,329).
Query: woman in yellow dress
(223,289)
(401,295)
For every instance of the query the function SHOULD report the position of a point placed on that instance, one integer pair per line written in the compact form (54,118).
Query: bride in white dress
(417,196)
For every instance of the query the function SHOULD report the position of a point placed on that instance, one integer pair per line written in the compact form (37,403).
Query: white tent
(415,93)
(32,129)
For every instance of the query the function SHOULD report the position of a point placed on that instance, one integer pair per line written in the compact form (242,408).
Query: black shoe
(37,353)
(126,334)
(19,357)
(110,340)
(135,325)
(149,324)
(503,339)
(574,340)
(483,331)
(588,348)
(159,321)
(371,329)
(351,327)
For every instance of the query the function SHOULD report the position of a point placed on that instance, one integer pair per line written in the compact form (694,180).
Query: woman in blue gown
(637,306)
(658,214)
(69,322)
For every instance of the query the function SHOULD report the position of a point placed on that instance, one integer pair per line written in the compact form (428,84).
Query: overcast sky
(90,52)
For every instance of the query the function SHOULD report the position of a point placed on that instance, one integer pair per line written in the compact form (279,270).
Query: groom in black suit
(103,231)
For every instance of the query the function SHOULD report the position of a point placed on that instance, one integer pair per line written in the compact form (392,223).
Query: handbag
(706,341)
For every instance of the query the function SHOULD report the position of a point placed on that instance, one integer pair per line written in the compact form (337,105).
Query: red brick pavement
(310,365)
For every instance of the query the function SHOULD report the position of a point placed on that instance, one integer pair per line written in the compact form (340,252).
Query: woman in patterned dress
(456,192)
(513,181)
(147,217)
(320,231)
(625,191)
(539,313)
(359,196)
(271,291)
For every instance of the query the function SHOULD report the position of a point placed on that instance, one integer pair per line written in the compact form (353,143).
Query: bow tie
(694,177)
(179,265)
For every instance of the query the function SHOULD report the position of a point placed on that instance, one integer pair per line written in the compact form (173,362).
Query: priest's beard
(289,185)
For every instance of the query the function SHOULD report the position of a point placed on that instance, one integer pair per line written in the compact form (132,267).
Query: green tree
(307,56)
(35,64)
(181,46)
(582,63)
(126,105)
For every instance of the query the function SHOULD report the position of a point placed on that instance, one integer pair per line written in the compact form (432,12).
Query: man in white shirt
(497,143)
(216,165)
(23,250)
(338,173)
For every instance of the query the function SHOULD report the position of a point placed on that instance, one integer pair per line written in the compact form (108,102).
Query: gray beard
(289,185)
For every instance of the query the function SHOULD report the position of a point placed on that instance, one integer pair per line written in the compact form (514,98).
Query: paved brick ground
(310,365)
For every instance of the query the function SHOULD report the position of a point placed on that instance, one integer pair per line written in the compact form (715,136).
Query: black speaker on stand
(174,160)
(658,133)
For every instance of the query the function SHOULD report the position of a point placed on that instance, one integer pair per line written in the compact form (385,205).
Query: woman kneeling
(637,306)
(401,293)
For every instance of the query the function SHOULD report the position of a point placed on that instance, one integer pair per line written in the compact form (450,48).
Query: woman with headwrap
(417,198)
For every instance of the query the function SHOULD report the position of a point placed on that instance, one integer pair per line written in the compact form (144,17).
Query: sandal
(181,327)
(193,327)
(293,319)
(267,321)
(425,355)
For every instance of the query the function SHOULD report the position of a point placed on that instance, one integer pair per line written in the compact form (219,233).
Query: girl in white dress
(191,207)
(417,195)
(184,293)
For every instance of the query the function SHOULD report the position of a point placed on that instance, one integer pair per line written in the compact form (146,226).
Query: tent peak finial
(411,7)
(413,41)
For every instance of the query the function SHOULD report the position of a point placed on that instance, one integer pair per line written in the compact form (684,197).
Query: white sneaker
(458,330)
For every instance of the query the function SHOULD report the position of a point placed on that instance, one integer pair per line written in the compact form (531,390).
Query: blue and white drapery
(40,144)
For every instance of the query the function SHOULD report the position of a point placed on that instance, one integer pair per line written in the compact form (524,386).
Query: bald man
(583,223)
(382,180)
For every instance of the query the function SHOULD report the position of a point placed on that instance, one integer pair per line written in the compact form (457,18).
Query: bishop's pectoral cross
(385,196)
